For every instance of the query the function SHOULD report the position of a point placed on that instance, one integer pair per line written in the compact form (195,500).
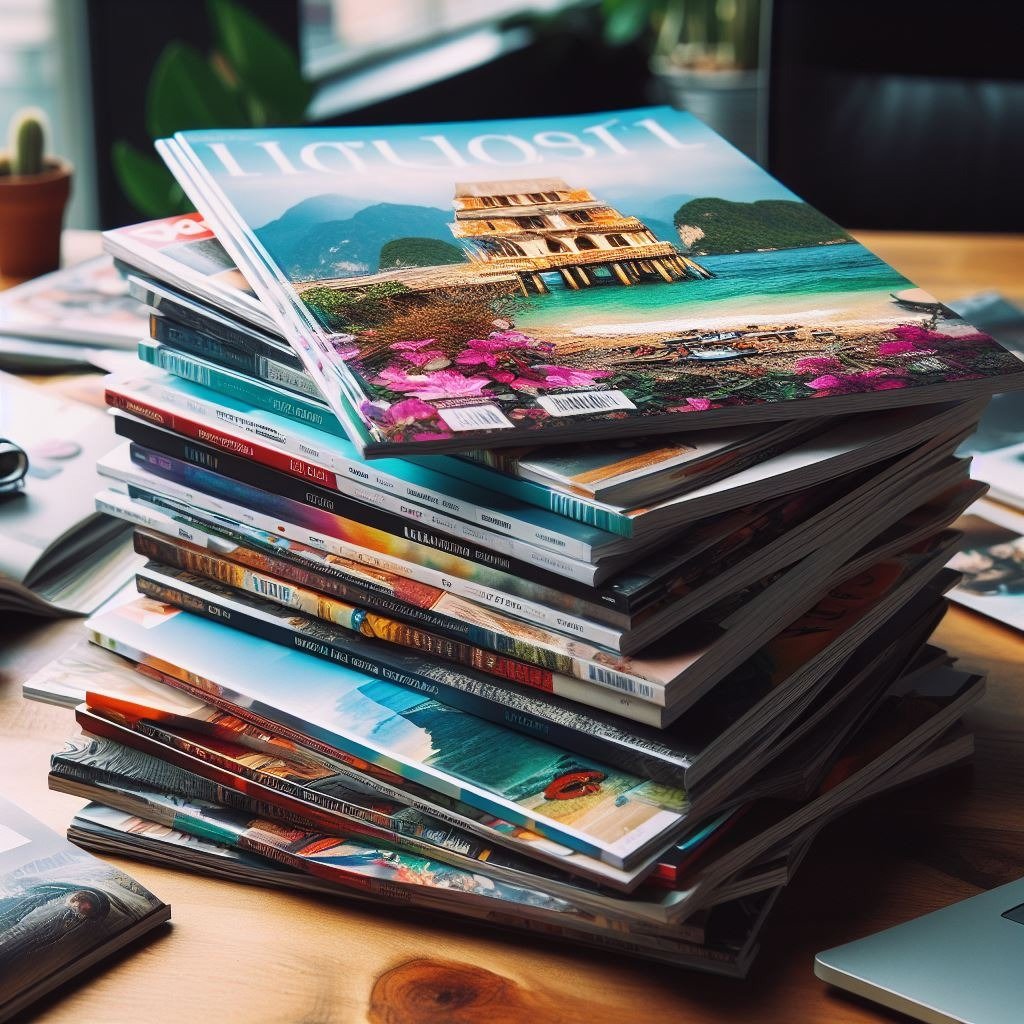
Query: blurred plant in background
(708,35)
(705,54)
(252,79)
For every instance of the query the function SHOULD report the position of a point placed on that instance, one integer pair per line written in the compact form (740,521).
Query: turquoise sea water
(745,283)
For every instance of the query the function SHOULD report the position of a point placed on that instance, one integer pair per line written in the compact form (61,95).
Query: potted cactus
(34,190)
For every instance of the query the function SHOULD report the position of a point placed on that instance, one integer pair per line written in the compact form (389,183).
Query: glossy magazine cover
(60,909)
(590,807)
(486,283)
(110,683)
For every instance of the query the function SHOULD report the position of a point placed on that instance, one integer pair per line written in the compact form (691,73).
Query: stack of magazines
(546,523)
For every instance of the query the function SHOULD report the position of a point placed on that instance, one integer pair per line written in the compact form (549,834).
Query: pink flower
(395,378)
(412,346)
(431,358)
(898,348)
(476,357)
(568,377)
(878,379)
(695,405)
(528,414)
(409,410)
(445,384)
(817,364)
(345,351)
(398,418)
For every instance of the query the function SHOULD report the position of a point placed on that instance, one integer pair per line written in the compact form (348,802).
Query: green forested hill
(745,227)
(418,252)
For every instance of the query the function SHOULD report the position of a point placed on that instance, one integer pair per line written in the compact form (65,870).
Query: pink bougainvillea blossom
(409,410)
(344,352)
(568,376)
(398,419)
(500,347)
(443,384)
(412,346)
(878,379)
(429,359)
(396,378)
(695,405)
(901,348)
(817,364)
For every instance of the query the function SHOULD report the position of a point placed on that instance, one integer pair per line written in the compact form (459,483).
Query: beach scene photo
(522,273)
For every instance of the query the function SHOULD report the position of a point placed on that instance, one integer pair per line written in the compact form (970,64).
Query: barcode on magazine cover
(272,589)
(296,380)
(581,402)
(475,417)
(609,678)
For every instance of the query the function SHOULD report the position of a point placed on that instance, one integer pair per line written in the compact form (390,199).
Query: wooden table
(241,953)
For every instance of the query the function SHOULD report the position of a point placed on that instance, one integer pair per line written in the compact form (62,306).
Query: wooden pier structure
(539,225)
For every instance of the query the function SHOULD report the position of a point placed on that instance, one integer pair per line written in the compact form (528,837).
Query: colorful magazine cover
(61,910)
(589,806)
(487,284)
(184,249)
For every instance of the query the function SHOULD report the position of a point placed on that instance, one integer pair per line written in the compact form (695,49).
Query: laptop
(960,965)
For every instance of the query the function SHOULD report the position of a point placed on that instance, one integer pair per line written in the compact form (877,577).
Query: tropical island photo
(605,289)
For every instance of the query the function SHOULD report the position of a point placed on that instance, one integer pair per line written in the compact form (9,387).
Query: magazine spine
(265,363)
(183,783)
(198,461)
(593,513)
(171,320)
(243,386)
(493,702)
(287,800)
(539,668)
(203,420)
(167,515)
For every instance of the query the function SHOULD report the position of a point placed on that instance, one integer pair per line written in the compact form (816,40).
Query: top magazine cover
(498,283)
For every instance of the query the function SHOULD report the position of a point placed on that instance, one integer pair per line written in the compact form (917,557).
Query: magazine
(917,713)
(488,284)
(182,249)
(534,657)
(728,947)
(756,702)
(591,807)
(49,528)
(87,303)
(61,910)
(111,683)
(193,477)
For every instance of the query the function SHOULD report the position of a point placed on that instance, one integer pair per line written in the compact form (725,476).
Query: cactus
(26,143)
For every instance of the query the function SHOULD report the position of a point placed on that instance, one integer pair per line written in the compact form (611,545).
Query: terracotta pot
(31,216)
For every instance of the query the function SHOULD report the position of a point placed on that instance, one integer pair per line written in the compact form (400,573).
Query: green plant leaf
(625,20)
(148,185)
(268,70)
(185,92)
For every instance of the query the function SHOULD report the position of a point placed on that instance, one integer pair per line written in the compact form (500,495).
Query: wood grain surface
(240,953)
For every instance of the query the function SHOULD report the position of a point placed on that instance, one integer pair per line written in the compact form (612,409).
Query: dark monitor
(903,114)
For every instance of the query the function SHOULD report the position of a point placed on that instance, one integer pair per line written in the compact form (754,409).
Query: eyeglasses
(13,466)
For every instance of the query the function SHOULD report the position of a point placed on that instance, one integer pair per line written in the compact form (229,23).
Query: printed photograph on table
(482,282)
(991,559)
